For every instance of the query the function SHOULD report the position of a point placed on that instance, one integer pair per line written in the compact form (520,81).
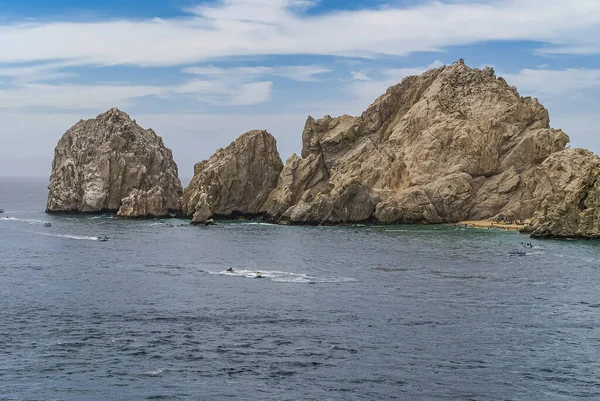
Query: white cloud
(74,97)
(554,82)
(217,92)
(301,73)
(268,27)
(360,76)
(253,93)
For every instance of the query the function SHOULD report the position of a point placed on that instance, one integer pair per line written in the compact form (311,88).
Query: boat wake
(284,277)
(77,237)
(28,221)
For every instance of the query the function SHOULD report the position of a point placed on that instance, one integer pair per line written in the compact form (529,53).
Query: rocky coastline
(453,144)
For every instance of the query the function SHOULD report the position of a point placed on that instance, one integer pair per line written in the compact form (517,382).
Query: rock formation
(112,164)
(567,189)
(452,144)
(235,180)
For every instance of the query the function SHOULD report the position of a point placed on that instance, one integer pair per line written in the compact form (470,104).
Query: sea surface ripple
(341,313)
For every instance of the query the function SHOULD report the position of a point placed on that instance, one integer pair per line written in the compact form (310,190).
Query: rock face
(567,187)
(452,144)
(235,180)
(112,164)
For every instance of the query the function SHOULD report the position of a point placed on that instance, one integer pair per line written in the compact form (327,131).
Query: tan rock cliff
(567,188)
(112,164)
(454,143)
(235,180)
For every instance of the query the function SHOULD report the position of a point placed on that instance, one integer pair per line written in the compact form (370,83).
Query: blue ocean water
(341,313)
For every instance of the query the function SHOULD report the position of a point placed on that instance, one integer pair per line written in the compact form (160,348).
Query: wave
(29,221)
(154,372)
(284,277)
(77,237)
(257,223)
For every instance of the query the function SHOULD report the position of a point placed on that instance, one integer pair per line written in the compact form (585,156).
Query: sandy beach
(518,225)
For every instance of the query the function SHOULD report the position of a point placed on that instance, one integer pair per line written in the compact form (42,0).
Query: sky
(201,73)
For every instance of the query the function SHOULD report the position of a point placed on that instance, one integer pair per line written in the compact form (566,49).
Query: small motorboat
(103,238)
(107,215)
(517,253)
(47,225)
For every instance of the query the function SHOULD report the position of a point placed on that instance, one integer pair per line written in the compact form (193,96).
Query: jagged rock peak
(235,180)
(449,144)
(110,163)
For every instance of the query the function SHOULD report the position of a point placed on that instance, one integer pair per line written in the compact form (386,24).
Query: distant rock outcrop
(567,188)
(112,164)
(235,180)
(452,144)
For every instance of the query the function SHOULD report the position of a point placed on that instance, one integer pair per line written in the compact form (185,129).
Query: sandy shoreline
(518,225)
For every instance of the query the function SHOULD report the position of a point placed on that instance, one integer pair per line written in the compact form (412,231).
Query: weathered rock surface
(452,144)
(112,164)
(235,180)
(567,188)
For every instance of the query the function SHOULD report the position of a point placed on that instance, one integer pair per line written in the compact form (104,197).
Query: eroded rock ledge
(111,164)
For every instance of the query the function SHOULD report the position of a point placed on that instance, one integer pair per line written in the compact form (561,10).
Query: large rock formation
(567,188)
(112,164)
(235,180)
(454,143)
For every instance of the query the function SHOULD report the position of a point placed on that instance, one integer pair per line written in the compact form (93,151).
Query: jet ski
(47,225)
(258,275)
(103,238)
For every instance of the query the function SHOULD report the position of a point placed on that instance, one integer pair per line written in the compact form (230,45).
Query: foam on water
(29,221)
(283,277)
(68,236)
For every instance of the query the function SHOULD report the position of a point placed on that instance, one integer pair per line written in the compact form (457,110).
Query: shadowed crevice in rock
(111,164)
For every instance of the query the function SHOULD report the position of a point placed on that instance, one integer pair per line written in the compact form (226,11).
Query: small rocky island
(452,144)
(111,164)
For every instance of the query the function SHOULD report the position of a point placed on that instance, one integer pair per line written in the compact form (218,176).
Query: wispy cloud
(554,82)
(301,73)
(103,96)
(276,27)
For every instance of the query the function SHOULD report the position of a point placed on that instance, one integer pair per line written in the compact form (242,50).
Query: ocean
(341,313)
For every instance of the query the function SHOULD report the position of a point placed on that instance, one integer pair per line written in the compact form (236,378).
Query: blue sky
(203,72)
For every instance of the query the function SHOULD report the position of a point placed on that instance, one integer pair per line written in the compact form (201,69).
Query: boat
(517,253)
(107,215)
(258,275)
(47,225)
(103,238)
(1,210)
